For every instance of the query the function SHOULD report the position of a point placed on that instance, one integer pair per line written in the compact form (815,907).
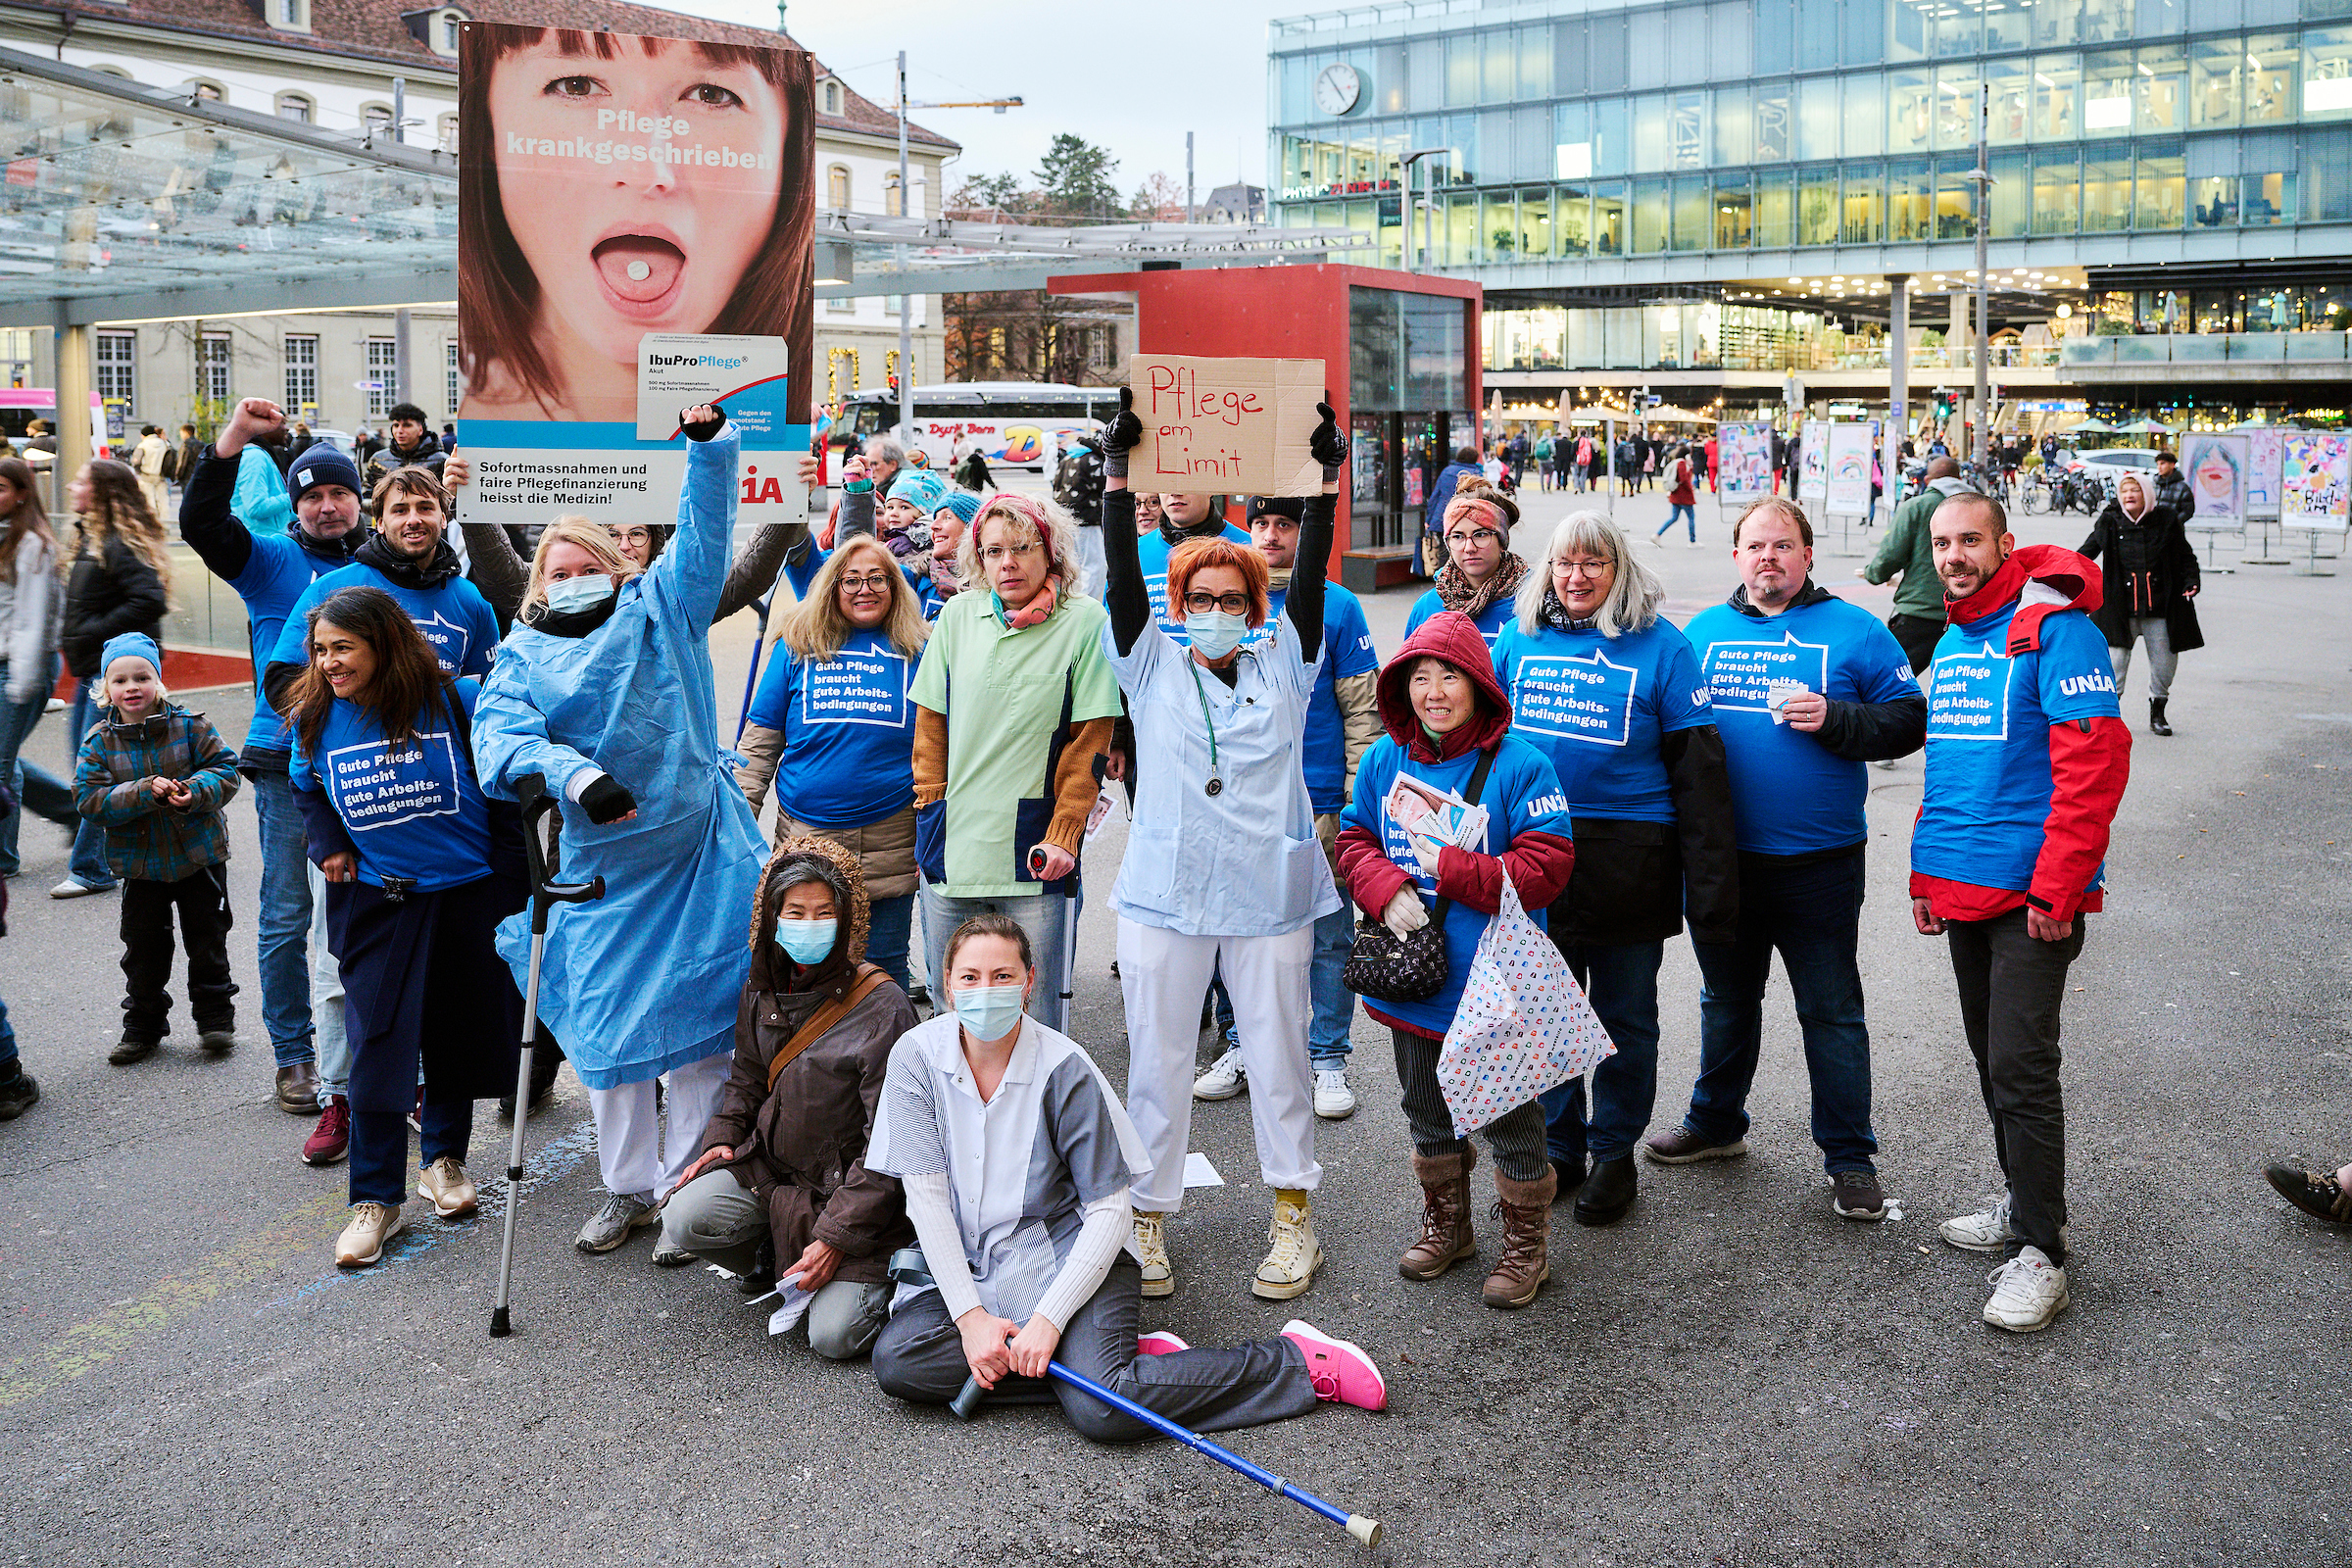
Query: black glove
(1328,446)
(704,431)
(1120,437)
(608,799)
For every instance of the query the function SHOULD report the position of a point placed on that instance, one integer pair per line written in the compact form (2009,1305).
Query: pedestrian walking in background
(269,573)
(120,581)
(1907,551)
(1714,470)
(780,1190)
(1465,465)
(1481,573)
(154,778)
(604,690)
(1019,1166)
(1447,724)
(1597,462)
(412,901)
(1224,875)
(833,726)
(1015,703)
(2148,581)
(412,445)
(1546,471)
(32,605)
(1610,692)
(2028,756)
(1796,738)
(148,460)
(2173,492)
(184,467)
(1682,499)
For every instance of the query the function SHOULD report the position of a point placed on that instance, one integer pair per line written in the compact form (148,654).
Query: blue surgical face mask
(806,940)
(990,1012)
(575,593)
(1215,632)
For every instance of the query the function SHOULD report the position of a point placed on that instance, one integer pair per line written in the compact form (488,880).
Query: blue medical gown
(649,977)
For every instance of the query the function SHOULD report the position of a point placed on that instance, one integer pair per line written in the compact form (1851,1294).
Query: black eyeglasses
(1200,604)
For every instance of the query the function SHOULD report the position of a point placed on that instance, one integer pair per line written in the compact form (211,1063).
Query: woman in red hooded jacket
(1448,727)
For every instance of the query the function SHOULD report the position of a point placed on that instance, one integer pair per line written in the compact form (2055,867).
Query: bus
(1011,420)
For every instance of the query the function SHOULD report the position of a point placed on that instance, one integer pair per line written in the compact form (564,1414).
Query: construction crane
(1000,104)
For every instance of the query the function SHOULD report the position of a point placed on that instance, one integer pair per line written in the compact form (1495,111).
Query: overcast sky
(1206,76)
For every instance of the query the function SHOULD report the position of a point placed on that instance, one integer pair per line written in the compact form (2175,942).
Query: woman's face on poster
(636,244)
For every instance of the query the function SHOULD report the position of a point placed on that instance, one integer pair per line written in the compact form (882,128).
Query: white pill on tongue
(639,271)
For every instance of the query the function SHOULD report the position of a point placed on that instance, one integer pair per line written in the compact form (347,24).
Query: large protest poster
(2214,467)
(2314,486)
(1233,426)
(1849,469)
(2264,452)
(635,228)
(1744,453)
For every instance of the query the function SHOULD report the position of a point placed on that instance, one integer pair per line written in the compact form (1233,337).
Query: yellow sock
(1294,1194)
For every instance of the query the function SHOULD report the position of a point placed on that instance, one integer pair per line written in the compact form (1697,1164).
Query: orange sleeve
(930,756)
(1077,780)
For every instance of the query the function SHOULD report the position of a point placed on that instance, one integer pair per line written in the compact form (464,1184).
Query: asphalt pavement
(1731,1375)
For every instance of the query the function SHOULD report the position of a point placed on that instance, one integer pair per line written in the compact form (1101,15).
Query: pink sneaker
(1159,1342)
(1340,1370)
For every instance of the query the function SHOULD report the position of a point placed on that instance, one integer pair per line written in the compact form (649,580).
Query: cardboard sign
(1230,427)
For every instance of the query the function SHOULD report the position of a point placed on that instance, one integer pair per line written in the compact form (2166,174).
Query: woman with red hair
(1223,872)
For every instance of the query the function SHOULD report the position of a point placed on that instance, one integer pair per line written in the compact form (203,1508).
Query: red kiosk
(1401,352)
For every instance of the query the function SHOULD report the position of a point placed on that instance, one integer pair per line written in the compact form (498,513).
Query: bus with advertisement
(1011,422)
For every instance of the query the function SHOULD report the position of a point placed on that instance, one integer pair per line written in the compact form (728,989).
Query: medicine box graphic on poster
(1741,677)
(1575,699)
(1744,452)
(2215,466)
(635,235)
(2314,486)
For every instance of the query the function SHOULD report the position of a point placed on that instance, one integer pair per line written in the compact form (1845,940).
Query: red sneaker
(1159,1342)
(330,1140)
(1340,1370)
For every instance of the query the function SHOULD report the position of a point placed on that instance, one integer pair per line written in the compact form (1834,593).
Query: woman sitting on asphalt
(1448,725)
(832,723)
(1481,573)
(419,868)
(781,1188)
(603,689)
(1017,1162)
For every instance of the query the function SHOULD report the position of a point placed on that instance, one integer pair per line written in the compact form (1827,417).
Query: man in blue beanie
(269,573)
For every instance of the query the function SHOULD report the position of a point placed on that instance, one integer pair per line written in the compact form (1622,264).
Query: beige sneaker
(371,1226)
(1290,1262)
(447,1185)
(1150,1248)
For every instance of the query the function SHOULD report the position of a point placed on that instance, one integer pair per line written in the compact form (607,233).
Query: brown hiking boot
(1446,1238)
(1525,1210)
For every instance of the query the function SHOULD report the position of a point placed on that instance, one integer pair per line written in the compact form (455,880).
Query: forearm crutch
(538,806)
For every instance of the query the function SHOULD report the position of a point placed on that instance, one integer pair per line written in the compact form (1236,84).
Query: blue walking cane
(908,1266)
(546,893)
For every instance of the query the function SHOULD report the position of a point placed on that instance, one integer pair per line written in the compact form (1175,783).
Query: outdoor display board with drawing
(2216,466)
(2315,487)
(1813,462)
(635,227)
(1235,425)
(1849,456)
(2263,458)
(1744,455)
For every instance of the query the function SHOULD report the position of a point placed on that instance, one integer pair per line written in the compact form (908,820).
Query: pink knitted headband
(1470,506)
(1024,508)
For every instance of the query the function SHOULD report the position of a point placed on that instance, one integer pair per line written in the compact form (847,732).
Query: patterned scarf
(1035,611)
(1457,591)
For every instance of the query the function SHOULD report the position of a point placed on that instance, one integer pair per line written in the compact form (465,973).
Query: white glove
(1404,914)
(1425,849)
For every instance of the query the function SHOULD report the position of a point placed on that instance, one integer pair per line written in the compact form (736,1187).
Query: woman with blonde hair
(604,692)
(1013,709)
(120,581)
(832,725)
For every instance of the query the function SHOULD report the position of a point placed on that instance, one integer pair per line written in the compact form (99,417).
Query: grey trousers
(920,1359)
(2162,660)
(718,1220)
(1516,1137)
(2012,986)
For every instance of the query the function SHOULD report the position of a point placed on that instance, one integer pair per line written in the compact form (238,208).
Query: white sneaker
(1292,1256)
(1150,1248)
(1224,1079)
(1987,1232)
(74,887)
(451,1190)
(2028,1292)
(1334,1099)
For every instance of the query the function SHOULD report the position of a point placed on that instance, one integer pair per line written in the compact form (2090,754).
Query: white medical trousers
(636,1160)
(1166,976)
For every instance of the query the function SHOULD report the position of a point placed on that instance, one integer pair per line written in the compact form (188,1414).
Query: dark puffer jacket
(800,1146)
(108,592)
(2147,568)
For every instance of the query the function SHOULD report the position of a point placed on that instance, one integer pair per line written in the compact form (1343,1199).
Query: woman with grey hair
(1612,692)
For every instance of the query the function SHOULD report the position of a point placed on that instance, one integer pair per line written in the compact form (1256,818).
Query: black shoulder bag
(1386,967)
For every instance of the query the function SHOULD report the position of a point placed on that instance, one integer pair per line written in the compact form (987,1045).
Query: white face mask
(575,593)
(1215,632)
(990,1012)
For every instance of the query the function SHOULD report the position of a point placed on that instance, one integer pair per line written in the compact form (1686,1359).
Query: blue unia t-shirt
(1598,706)
(1346,651)
(848,731)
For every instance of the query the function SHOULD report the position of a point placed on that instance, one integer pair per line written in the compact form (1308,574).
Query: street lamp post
(1982,180)
(1428,221)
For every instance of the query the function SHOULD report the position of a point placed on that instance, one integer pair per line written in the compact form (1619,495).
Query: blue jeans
(1683,510)
(36,791)
(890,924)
(1622,984)
(89,867)
(1811,914)
(8,1044)
(285,921)
(1040,916)
(1327,1042)
(379,1148)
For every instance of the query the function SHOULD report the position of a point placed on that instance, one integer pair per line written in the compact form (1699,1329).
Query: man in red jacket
(2028,756)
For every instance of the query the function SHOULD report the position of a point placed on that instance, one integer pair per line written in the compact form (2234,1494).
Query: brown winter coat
(802,1147)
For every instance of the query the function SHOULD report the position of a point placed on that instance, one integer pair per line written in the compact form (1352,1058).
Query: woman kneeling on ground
(1016,1160)
(783,1160)
(419,867)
